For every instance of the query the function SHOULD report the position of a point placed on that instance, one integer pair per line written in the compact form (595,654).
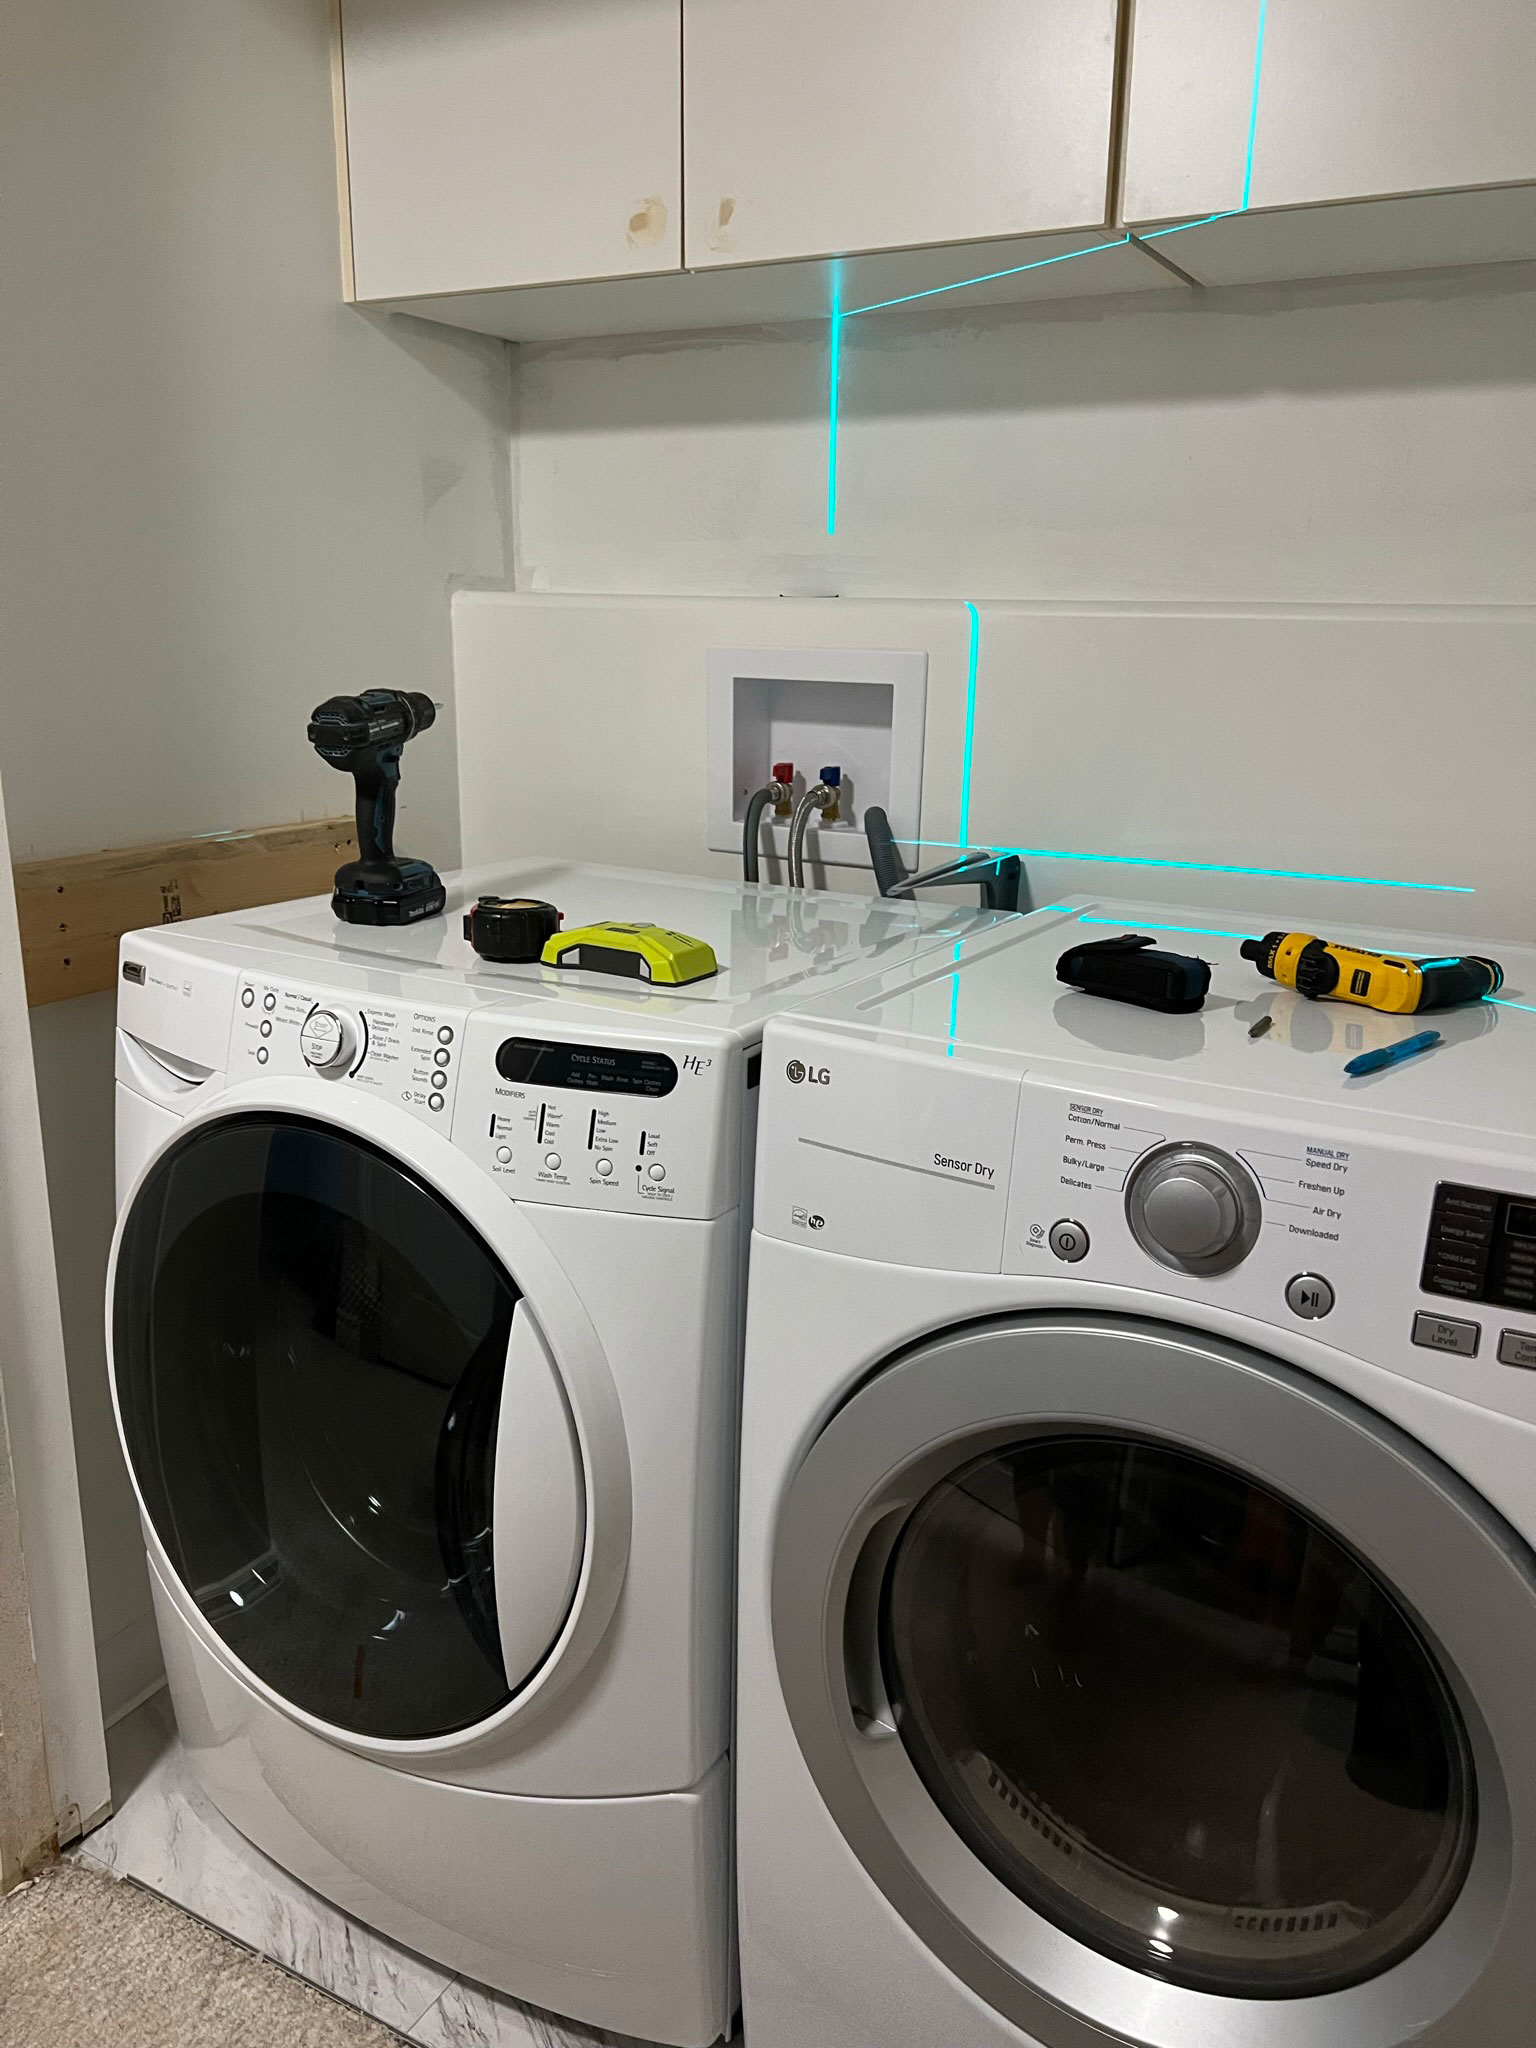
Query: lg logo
(819,1077)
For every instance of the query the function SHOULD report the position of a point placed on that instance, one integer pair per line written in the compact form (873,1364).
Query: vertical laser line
(1253,104)
(970,724)
(834,392)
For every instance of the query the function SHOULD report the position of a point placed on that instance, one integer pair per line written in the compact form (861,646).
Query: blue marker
(1389,1055)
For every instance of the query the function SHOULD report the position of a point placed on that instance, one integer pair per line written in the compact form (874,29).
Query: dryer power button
(1194,1208)
(1068,1240)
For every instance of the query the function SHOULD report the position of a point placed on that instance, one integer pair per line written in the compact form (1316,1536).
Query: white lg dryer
(1138,1604)
(424,1316)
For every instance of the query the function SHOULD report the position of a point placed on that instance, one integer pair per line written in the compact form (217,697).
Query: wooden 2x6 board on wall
(73,911)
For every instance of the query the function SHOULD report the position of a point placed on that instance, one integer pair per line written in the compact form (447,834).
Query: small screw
(1257,1030)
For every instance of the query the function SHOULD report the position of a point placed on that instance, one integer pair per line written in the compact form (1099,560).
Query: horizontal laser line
(1198,931)
(1200,867)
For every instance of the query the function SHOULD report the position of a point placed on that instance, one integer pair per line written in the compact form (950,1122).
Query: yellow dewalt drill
(1381,981)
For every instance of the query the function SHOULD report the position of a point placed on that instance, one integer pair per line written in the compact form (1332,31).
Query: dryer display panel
(309,1347)
(1481,1247)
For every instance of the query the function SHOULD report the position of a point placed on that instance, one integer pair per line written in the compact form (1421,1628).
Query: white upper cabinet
(821,127)
(511,142)
(1355,99)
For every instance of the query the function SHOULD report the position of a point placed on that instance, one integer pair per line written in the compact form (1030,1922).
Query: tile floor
(165,1834)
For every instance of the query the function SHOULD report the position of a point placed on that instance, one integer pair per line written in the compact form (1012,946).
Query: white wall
(1353,443)
(1180,733)
(1256,570)
(223,496)
(45,1602)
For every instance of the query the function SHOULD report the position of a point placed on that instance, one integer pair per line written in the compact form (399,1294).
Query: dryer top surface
(1001,1005)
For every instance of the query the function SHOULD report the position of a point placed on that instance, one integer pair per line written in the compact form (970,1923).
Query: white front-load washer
(1138,1609)
(424,1317)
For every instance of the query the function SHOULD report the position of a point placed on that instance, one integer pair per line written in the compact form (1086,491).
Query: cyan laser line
(1194,931)
(834,391)
(954,1004)
(1253,104)
(989,277)
(1503,1003)
(1204,867)
(1184,226)
(968,754)
(839,314)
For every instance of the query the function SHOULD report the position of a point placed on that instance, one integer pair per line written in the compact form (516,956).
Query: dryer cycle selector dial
(1194,1208)
(329,1040)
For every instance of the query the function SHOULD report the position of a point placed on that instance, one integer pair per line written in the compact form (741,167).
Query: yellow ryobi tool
(1380,981)
(643,952)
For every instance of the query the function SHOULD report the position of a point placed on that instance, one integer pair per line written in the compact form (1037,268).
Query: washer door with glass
(341,1413)
(1167,1686)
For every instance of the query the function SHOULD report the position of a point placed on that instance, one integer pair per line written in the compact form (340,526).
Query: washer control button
(445,1034)
(503,1155)
(269,1000)
(552,1161)
(266,1027)
(1069,1241)
(1309,1296)
(261,1055)
(441,1057)
(247,996)
(1517,1347)
(434,1102)
(657,1172)
(604,1168)
(1446,1333)
(328,1041)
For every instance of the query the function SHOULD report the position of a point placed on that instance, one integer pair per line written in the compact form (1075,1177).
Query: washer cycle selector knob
(1194,1208)
(328,1041)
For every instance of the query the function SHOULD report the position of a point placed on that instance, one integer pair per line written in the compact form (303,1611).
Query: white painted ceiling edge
(1377,741)
(35,1394)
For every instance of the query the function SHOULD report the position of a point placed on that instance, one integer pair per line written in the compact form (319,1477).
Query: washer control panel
(598,1122)
(403,1054)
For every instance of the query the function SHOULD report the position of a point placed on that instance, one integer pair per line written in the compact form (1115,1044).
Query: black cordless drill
(364,736)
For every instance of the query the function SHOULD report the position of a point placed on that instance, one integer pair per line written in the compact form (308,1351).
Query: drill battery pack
(1134,969)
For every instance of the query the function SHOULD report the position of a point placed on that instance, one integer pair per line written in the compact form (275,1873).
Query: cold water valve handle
(364,737)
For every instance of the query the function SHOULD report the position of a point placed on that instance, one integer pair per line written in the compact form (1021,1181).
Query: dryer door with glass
(348,1429)
(1167,1692)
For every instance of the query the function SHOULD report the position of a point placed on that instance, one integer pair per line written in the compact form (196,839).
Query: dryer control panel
(1416,1258)
(597,1121)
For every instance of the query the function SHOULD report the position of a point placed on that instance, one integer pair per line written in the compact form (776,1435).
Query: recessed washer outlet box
(863,708)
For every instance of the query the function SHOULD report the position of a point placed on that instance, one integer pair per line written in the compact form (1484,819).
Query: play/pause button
(1309,1296)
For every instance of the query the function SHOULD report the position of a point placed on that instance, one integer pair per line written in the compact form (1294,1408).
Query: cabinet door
(813,129)
(511,142)
(1349,99)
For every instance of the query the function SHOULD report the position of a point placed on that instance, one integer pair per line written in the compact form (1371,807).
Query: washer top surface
(776,947)
(1003,1006)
